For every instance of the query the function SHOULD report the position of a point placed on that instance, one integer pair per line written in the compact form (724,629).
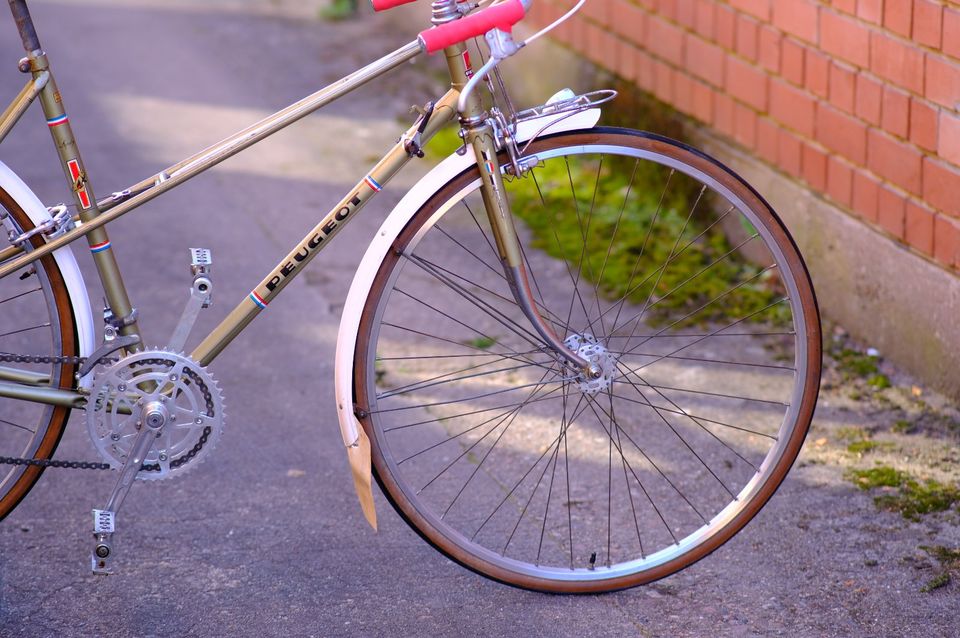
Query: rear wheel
(36,318)
(659,265)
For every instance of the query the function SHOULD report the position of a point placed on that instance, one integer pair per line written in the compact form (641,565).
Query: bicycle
(588,400)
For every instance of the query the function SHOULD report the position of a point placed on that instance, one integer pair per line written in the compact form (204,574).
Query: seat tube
(83,197)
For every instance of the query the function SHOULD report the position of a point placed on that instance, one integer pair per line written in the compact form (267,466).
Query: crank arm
(201,295)
(105,519)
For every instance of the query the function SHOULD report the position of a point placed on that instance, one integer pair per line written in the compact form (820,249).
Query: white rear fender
(72,278)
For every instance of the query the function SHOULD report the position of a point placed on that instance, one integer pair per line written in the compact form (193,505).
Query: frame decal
(372,183)
(57,121)
(257,299)
(99,248)
(78,184)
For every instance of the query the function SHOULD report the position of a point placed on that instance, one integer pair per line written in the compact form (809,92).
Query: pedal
(201,296)
(104,524)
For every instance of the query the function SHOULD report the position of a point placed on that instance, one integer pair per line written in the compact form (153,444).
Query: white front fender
(396,221)
(64,257)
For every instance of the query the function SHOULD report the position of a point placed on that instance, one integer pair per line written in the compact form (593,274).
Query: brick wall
(858,99)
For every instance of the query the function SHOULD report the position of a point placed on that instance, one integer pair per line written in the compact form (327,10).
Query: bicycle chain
(95,465)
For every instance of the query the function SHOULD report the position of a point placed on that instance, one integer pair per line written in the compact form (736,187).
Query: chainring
(188,395)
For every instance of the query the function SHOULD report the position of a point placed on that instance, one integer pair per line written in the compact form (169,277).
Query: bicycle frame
(94,216)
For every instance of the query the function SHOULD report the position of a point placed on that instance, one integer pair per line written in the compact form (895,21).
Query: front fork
(478,133)
(480,136)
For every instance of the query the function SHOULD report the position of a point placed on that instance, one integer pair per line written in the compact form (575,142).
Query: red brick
(896,112)
(815,167)
(943,81)
(839,180)
(898,16)
(702,102)
(948,147)
(866,192)
(597,12)
(665,40)
(790,153)
(769,48)
(951,32)
(757,8)
(816,76)
(891,211)
(923,125)
(895,61)
(663,81)
(646,76)
(628,20)
(941,186)
(927,22)
(747,82)
(871,10)
(725,27)
(946,241)
(747,37)
(723,113)
(791,61)
(869,93)
(666,8)
(601,45)
(918,227)
(767,140)
(705,60)
(849,6)
(843,82)
(792,107)
(745,125)
(842,133)
(627,62)
(895,161)
(704,18)
(686,12)
(683,93)
(845,38)
(797,17)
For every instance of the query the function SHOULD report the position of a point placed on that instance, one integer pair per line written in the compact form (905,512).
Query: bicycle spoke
(17,425)
(22,294)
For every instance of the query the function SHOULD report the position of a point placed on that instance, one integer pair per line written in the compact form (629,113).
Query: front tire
(680,282)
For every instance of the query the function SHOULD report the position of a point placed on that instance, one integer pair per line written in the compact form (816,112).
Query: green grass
(619,198)
(481,342)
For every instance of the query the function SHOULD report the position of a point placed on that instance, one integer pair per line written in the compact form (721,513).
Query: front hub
(601,361)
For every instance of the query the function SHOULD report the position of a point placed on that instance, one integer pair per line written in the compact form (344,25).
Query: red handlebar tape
(383,5)
(500,16)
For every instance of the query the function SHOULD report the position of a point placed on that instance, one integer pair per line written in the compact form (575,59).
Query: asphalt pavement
(266,538)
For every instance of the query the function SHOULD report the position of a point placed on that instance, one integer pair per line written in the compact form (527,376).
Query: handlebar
(383,5)
(500,16)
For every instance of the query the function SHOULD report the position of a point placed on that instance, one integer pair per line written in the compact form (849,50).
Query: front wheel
(658,264)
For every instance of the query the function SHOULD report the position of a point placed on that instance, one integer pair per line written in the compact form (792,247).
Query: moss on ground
(911,497)
(949,559)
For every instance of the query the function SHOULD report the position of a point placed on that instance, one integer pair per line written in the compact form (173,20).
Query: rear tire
(36,318)
(687,290)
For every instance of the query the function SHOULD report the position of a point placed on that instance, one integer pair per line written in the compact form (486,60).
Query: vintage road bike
(575,358)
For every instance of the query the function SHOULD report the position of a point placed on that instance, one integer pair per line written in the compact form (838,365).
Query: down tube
(265,292)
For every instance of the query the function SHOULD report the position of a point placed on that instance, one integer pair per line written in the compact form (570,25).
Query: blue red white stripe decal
(57,121)
(257,299)
(99,248)
(489,166)
(372,183)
